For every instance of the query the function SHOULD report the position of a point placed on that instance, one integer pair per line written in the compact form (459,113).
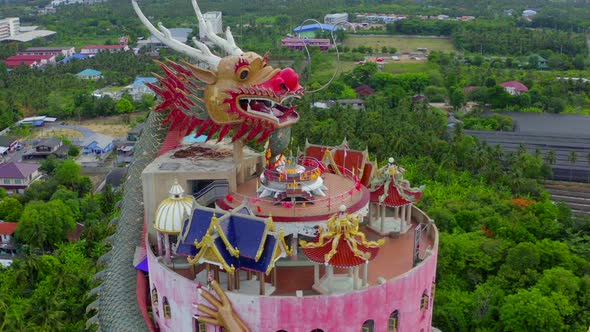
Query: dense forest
(510,259)
(48,292)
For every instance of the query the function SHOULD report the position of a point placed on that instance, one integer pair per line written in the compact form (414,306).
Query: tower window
(167,312)
(393,321)
(368,326)
(424,302)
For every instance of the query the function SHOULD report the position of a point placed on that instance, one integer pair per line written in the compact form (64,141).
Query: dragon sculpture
(240,94)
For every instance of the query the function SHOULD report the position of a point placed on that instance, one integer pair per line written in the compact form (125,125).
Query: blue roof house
(139,87)
(97,144)
(75,56)
(89,74)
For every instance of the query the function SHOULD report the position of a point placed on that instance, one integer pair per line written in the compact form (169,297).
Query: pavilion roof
(342,245)
(235,240)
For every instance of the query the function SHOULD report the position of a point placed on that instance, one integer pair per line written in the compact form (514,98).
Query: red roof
(316,152)
(344,256)
(397,195)
(365,90)
(470,88)
(354,160)
(14,64)
(516,85)
(17,60)
(7,228)
(104,47)
(29,57)
(14,170)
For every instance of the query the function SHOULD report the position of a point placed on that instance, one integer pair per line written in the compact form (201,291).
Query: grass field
(403,44)
(408,67)
(325,72)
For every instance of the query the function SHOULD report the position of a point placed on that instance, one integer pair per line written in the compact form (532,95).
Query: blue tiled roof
(74,56)
(141,81)
(244,232)
(89,72)
(248,235)
(314,27)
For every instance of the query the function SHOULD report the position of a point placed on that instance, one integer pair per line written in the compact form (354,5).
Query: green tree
(45,225)
(572,158)
(529,310)
(10,209)
(124,107)
(73,151)
(457,98)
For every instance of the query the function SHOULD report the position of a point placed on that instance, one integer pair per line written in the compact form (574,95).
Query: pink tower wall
(341,312)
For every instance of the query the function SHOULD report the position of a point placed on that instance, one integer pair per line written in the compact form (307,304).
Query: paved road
(85,131)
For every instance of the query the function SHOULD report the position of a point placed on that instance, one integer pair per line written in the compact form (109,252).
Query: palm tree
(550,159)
(572,158)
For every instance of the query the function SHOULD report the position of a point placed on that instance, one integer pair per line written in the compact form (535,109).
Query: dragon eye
(244,74)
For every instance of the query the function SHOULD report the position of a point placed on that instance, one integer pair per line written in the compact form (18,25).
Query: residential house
(29,60)
(97,144)
(7,245)
(514,88)
(114,92)
(139,87)
(133,134)
(15,177)
(55,51)
(92,50)
(47,147)
(125,153)
(357,104)
(76,56)
(7,144)
(364,91)
(302,43)
(89,74)
(37,121)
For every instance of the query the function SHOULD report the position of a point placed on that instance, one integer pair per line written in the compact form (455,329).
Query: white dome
(171,211)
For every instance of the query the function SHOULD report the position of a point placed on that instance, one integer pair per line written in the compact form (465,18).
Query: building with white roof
(336,18)
(213,18)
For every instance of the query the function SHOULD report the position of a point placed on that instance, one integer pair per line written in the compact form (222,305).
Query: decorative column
(330,277)
(167,249)
(160,244)
(316,274)
(403,219)
(410,214)
(294,246)
(261,279)
(366,274)
(355,277)
(383,213)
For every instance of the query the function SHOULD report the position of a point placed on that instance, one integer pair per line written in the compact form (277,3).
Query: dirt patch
(114,126)
(68,133)
(113,130)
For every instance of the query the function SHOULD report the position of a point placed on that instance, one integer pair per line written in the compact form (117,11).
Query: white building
(9,26)
(336,18)
(214,18)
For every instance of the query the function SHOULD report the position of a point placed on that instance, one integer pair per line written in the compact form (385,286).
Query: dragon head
(240,91)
